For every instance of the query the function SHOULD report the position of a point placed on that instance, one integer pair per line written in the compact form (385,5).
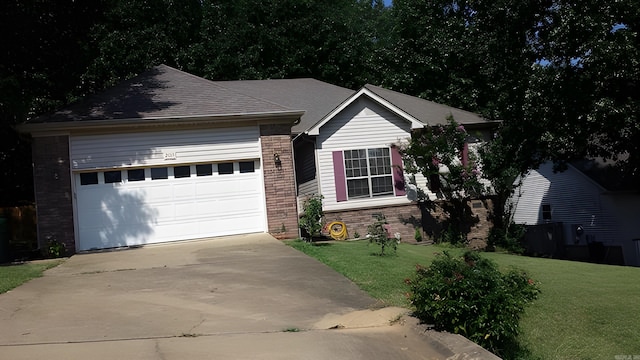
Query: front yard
(585,311)
(12,276)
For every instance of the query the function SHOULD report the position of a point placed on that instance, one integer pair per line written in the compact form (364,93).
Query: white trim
(415,123)
(47,128)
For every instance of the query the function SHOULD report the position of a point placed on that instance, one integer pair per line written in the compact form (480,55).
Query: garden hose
(338,230)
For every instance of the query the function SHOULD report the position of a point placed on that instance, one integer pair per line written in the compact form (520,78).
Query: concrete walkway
(240,297)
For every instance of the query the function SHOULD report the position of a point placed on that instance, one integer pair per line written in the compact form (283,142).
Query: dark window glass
(204,170)
(382,185)
(88,178)
(159,173)
(247,166)
(135,175)
(112,177)
(181,171)
(225,168)
(358,188)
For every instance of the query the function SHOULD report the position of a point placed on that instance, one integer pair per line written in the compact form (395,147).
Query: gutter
(260,117)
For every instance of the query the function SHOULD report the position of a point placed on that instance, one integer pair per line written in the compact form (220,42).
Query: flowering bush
(440,155)
(471,297)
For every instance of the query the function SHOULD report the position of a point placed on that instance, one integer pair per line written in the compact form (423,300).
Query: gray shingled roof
(425,111)
(163,92)
(316,98)
(167,93)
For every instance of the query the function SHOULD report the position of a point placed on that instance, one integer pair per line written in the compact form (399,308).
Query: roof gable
(415,124)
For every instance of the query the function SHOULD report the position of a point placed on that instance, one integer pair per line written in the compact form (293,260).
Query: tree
(438,153)
(40,69)
(134,35)
(472,54)
(585,93)
(284,39)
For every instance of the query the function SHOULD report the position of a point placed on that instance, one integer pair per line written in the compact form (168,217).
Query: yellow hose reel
(338,230)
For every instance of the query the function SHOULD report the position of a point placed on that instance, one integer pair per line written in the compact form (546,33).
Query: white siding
(574,200)
(148,149)
(363,124)
(308,188)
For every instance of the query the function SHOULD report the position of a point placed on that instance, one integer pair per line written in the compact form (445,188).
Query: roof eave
(111,124)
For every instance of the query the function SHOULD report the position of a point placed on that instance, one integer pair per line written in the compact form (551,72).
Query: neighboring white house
(589,212)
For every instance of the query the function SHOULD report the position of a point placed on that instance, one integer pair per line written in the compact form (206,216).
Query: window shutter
(465,154)
(339,176)
(396,170)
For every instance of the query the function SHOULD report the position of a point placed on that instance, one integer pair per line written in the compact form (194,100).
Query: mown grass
(12,276)
(585,311)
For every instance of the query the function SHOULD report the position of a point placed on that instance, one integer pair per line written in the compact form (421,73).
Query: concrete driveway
(240,297)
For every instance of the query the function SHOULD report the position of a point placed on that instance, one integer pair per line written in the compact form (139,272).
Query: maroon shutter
(339,176)
(465,155)
(396,170)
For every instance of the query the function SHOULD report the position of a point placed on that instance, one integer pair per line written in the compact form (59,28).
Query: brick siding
(403,219)
(52,182)
(279,181)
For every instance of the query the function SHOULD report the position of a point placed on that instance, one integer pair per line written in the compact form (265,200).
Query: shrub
(509,238)
(417,235)
(378,233)
(471,297)
(311,220)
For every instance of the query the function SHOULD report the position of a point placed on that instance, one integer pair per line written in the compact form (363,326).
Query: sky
(387,2)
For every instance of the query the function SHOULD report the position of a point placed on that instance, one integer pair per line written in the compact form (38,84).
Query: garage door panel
(153,211)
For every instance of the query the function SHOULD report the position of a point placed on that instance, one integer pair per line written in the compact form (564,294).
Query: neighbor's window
(247,166)
(368,172)
(546,212)
(225,168)
(89,178)
(159,173)
(181,171)
(112,177)
(135,175)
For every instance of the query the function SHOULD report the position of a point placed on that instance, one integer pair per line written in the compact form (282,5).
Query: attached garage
(165,156)
(133,189)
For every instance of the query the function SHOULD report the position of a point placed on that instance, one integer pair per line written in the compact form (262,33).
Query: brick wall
(404,219)
(279,181)
(52,182)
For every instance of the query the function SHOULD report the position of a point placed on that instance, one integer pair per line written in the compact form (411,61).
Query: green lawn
(585,311)
(12,276)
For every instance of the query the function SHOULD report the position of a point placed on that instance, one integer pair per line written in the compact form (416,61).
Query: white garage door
(157,199)
(158,204)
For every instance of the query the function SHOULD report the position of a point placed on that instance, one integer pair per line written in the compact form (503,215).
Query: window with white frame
(368,172)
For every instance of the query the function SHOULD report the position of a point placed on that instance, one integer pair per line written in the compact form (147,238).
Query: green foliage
(436,153)
(508,238)
(471,297)
(452,235)
(378,233)
(12,276)
(55,248)
(417,235)
(311,220)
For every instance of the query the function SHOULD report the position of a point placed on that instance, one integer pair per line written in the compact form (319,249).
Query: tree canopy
(563,76)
